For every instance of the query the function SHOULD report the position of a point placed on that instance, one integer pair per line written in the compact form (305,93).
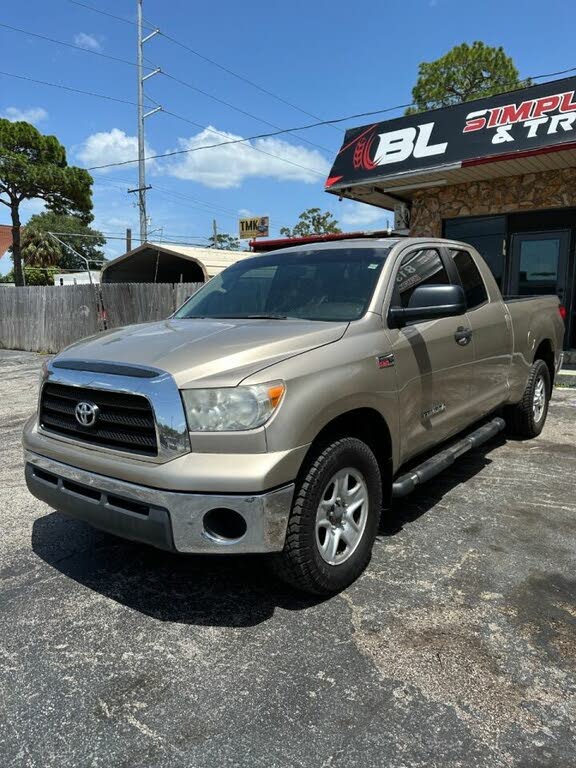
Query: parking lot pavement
(456,648)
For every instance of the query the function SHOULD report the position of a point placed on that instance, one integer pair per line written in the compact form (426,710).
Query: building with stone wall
(498,173)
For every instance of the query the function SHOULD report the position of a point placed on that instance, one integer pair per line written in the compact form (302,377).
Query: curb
(565,379)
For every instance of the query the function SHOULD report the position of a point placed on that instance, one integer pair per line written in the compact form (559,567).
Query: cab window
(471,279)
(421,267)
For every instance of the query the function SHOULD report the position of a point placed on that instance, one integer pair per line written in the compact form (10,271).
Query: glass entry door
(539,263)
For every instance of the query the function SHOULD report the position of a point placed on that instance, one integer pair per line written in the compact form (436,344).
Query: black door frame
(525,222)
(563,262)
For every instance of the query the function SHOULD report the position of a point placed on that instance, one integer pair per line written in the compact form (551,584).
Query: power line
(179,117)
(107,13)
(208,60)
(252,138)
(256,149)
(179,198)
(237,109)
(69,88)
(242,78)
(153,68)
(71,45)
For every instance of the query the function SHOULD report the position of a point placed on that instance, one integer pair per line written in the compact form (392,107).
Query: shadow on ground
(232,591)
(425,497)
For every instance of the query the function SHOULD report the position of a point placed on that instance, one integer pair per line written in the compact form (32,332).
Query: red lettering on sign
(475,121)
(546,104)
(494,118)
(567,104)
(514,114)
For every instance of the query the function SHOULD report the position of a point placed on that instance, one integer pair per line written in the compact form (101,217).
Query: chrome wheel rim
(539,400)
(341,516)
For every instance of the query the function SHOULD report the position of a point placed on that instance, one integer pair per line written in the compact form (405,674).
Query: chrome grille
(125,422)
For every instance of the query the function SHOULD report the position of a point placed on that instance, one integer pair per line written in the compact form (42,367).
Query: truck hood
(206,351)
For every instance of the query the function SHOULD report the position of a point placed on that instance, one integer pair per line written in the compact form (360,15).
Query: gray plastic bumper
(164,519)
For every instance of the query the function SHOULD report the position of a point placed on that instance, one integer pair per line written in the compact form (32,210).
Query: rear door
(492,338)
(433,367)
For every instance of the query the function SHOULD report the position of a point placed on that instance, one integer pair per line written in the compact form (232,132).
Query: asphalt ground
(456,648)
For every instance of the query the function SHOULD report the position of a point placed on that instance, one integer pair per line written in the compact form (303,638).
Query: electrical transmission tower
(141,189)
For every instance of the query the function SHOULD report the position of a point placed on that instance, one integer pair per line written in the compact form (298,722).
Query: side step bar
(405,484)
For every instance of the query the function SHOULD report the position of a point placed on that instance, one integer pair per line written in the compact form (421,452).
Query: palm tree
(39,249)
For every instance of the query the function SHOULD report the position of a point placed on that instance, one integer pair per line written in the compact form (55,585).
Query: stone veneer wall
(533,191)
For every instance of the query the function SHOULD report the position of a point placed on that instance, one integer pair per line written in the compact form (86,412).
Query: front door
(434,370)
(539,263)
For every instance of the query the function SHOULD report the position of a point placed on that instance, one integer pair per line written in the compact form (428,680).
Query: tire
(527,418)
(339,474)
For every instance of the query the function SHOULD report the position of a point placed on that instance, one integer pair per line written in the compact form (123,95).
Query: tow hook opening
(224,525)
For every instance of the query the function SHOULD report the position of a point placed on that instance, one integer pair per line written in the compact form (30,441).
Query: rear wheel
(334,519)
(527,418)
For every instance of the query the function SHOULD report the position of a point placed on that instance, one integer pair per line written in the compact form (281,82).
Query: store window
(485,233)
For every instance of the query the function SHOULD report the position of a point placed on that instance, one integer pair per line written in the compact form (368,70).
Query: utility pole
(215,233)
(141,118)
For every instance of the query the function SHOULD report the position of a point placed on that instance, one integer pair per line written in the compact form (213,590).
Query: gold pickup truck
(286,402)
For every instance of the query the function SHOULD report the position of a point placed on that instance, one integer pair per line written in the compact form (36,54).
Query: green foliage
(225,241)
(312,222)
(67,228)
(39,276)
(34,166)
(466,72)
(38,249)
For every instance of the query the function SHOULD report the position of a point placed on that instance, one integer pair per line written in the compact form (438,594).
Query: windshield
(322,284)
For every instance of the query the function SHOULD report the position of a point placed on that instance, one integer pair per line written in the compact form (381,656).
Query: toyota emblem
(86,414)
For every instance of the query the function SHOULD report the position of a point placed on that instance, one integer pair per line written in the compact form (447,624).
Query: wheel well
(367,425)
(545,352)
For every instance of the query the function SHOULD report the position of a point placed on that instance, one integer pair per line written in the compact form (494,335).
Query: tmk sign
(533,118)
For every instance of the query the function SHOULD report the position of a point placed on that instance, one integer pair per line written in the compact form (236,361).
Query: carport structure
(169,263)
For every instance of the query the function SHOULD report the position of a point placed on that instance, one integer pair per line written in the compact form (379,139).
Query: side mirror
(429,302)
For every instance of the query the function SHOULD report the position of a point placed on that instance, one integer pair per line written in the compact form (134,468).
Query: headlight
(231,409)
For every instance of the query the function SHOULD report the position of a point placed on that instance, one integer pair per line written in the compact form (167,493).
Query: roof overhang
(525,131)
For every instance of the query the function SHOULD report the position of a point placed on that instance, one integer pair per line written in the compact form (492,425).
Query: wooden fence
(48,318)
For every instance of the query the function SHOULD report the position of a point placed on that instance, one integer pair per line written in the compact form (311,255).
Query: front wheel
(334,519)
(526,418)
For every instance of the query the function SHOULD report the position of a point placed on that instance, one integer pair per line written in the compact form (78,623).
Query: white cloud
(29,115)
(228,165)
(113,146)
(87,41)
(363,215)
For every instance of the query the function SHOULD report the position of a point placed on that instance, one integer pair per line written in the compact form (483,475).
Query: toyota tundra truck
(286,402)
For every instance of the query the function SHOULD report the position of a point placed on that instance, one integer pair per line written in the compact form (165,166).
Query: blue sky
(328,57)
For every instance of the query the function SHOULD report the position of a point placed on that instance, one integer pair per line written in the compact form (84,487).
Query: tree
(34,166)
(34,276)
(312,222)
(466,72)
(38,249)
(224,241)
(72,231)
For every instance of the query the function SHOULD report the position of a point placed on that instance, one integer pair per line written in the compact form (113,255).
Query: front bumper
(170,520)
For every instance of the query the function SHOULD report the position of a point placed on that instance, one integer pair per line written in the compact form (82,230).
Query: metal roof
(210,260)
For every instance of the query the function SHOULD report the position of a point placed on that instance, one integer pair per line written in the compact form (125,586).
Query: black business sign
(542,116)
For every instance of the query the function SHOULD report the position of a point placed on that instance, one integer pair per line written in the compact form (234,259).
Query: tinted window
(471,279)
(422,267)
(315,284)
(486,234)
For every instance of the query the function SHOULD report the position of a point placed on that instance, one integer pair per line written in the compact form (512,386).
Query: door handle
(463,336)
